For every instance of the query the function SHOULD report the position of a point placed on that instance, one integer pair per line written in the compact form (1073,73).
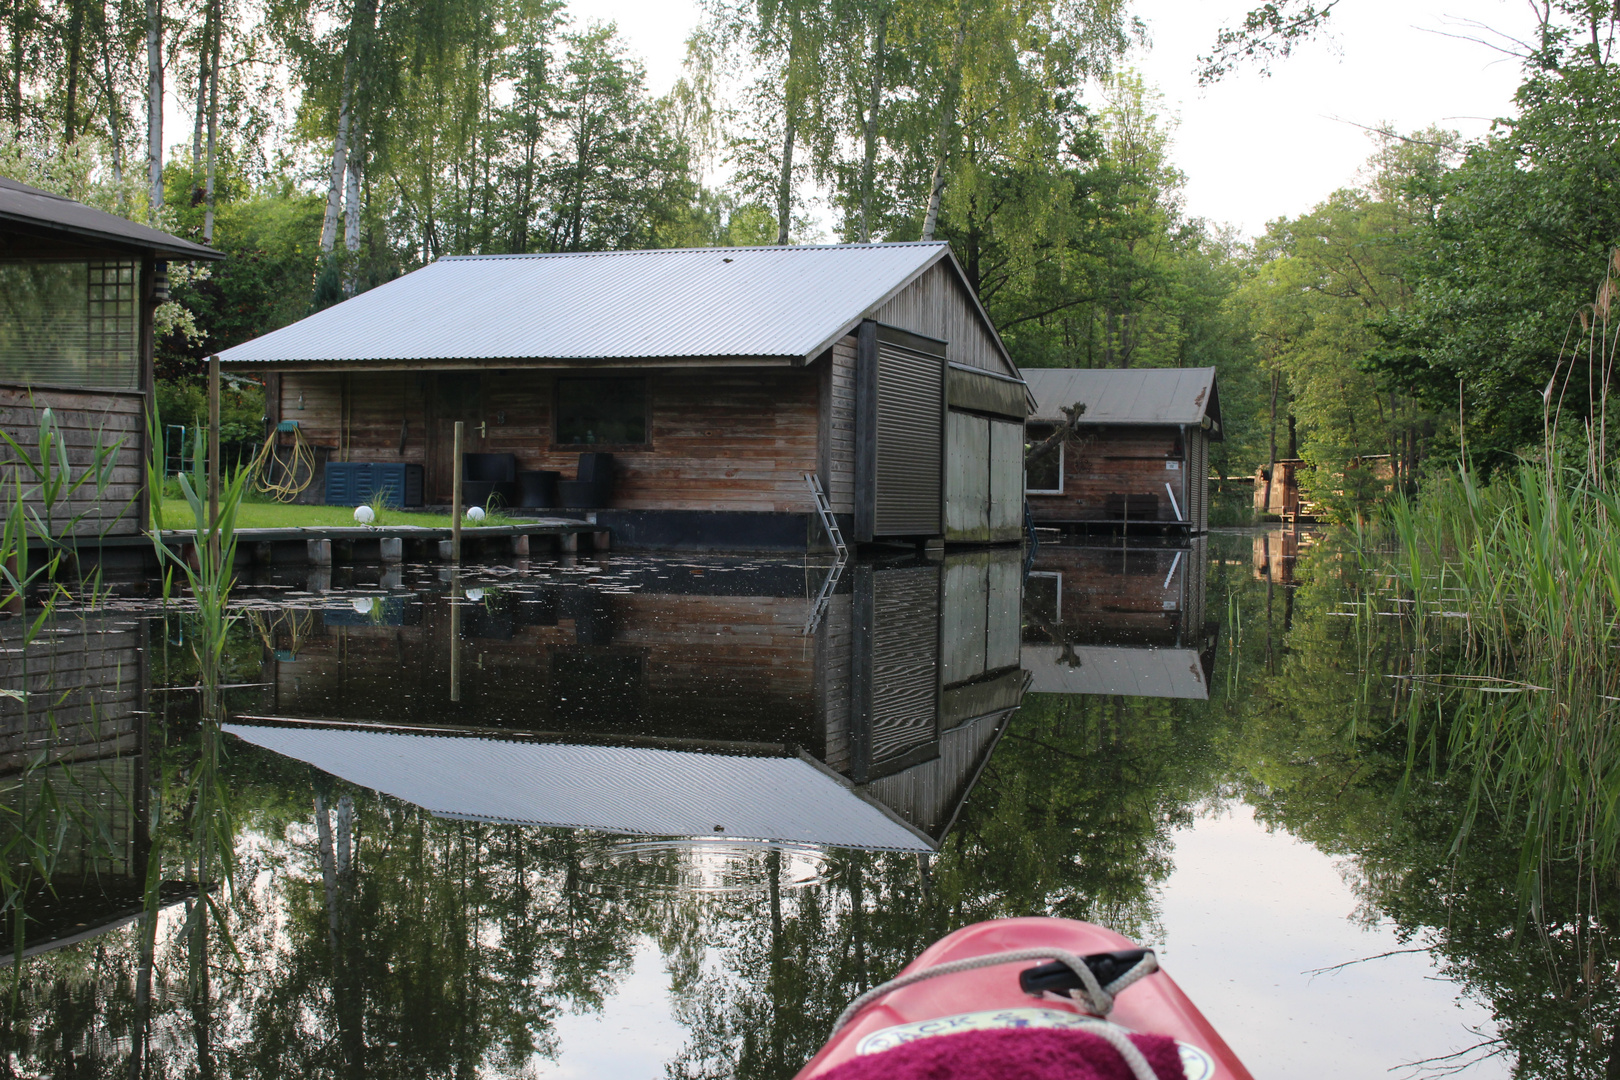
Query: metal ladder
(824,510)
(818,607)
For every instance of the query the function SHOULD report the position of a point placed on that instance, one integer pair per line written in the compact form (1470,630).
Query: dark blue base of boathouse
(713,530)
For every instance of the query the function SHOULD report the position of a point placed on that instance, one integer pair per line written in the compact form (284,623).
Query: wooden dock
(323,545)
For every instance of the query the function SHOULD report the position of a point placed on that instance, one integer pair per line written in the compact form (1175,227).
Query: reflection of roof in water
(1106,669)
(620,789)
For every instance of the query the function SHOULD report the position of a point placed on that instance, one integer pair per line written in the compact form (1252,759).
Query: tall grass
(47,512)
(1513,591)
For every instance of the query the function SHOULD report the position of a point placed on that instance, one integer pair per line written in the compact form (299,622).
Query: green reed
(194,798)
(52,509)
(1512,592)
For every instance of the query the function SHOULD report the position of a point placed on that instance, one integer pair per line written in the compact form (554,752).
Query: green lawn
(177,515)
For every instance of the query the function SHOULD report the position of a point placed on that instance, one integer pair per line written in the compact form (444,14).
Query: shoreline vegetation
(1508,594)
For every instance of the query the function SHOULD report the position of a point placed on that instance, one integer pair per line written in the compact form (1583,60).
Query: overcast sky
(1254,148)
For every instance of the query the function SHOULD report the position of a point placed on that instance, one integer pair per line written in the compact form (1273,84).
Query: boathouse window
(70,323)
(1044,477)
(606,411)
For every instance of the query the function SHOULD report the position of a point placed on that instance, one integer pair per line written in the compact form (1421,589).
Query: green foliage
(1502,273)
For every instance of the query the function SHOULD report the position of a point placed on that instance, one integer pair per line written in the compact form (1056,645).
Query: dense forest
(336,144)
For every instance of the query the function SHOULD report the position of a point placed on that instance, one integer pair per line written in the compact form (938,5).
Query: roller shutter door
(910,450)
(897,662)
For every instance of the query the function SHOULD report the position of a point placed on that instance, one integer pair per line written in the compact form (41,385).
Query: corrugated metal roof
(1114,669)
(783,302)
(1124,395)
(29,206)
(617,789)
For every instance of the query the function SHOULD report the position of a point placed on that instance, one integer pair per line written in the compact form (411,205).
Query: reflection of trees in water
(374,939)
(1073,816)
(1337,776)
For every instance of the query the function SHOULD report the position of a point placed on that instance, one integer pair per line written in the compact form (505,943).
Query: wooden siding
(937,305)
(1117,595)
(726,439)
(84,689)
(83,417)
(928,795)
(837,425)
(1129,461)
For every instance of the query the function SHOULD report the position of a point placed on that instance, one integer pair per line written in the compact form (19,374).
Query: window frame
(646,421)
(1061,450)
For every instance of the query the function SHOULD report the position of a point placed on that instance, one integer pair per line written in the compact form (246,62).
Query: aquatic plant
(1512,592)
(51,507)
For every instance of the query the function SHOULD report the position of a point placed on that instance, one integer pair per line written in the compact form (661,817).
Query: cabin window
(1044,476)
(70,324)
(601,412)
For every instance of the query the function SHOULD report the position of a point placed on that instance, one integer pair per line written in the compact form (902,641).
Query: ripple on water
(705,865)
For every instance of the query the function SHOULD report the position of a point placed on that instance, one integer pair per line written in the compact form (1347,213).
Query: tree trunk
(869,162)
(213,117)
(14,83)
(351,207)
(199,114)
(1271,460)
(113,118)
(154,103)
(947,113)
(935,190)
(784,188)
(70,108)
(340,158)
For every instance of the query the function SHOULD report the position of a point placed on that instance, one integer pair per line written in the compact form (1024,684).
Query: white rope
(1097,998)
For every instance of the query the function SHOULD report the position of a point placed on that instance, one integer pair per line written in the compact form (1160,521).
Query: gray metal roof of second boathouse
(766,302)
(1126,395)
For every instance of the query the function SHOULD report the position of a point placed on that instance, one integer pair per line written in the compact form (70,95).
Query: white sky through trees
(1255,148)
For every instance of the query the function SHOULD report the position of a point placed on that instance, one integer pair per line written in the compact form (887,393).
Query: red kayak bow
(978,1000)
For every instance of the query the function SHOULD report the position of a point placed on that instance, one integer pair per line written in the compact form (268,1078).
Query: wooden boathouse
(1140,458)
(868,732)
(77,291)
(676,397)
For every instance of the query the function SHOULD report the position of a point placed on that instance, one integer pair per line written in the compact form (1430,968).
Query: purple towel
(1012,1055)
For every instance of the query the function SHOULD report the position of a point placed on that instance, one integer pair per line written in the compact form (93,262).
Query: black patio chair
(592,488)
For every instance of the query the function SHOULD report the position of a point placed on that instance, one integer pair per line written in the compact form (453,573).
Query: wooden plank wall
(928,794)
(1113,461)
(722,439)
(84,686)
(834,653)
(83,417)
(837,430)
(1118,595)
(710,668)
(937,305)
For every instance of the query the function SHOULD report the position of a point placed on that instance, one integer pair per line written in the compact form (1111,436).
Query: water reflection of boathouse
(1119,619)
(73,760)
(673,700)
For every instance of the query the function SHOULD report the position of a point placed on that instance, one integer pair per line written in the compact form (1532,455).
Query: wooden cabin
(1140,460)
(686,700)
(77,290)
(716,378)
(1126,619)
(74,747)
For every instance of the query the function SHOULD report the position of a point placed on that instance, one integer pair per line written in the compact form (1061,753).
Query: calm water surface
(666,816)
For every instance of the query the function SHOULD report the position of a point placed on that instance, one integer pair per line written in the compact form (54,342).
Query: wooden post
(455,494)
(455,612)
(213,461)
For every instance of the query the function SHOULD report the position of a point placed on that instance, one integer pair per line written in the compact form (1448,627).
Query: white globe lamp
(365,515)
(475,513)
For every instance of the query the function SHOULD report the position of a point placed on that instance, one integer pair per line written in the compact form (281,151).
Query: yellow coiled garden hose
(300,464)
